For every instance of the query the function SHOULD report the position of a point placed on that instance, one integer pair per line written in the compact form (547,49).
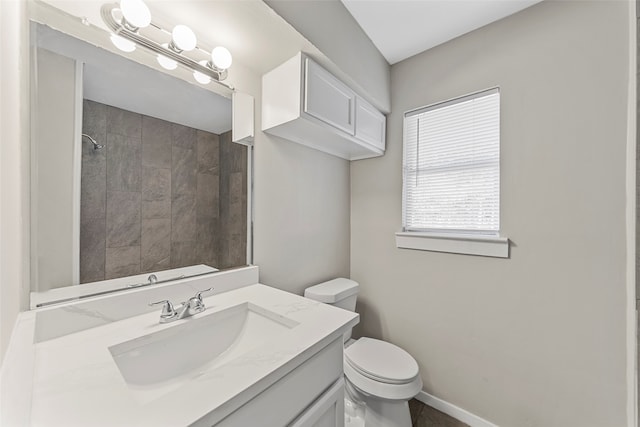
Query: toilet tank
(340,292)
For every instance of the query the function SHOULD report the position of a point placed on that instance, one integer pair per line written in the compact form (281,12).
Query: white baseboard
(453,410)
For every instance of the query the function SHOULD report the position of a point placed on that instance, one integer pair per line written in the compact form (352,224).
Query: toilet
(380,377)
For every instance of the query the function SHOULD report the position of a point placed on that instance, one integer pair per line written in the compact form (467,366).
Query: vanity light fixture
(130,22)
(166,63)
(135,14)
(202,78)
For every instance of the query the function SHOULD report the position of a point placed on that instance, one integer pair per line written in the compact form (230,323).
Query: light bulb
(166,63)
(136,13)
(182,38)
(221,58)
(201,78)
(122,43)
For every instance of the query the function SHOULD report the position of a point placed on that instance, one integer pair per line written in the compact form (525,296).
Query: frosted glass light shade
(202,78)
(221,58)
(166,63)
(136,13)
(183,38)
(122,43)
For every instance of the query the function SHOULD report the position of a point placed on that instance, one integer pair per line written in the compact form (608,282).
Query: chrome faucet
(193,305)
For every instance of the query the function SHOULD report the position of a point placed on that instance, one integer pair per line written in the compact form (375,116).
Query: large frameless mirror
(134,172)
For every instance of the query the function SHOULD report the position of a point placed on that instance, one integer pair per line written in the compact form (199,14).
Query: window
(451,182)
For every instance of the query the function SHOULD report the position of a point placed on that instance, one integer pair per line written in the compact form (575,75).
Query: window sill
(489,246)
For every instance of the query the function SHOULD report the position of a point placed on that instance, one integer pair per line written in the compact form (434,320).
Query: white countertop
(75,381)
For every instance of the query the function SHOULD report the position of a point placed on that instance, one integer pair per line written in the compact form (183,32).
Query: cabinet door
(328,99)
(370,124)
(326,411)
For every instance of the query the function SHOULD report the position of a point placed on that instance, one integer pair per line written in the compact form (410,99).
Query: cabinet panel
(328,99)
(326,411)
(370,124)
(283,401)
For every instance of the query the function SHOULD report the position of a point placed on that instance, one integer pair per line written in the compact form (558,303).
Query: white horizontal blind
(452,165)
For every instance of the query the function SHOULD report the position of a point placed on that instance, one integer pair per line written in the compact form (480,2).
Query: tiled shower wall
(159,195)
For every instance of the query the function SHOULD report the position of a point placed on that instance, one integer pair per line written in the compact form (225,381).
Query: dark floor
(426,416)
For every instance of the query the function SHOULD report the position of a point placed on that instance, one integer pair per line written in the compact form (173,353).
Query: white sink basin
(196,345)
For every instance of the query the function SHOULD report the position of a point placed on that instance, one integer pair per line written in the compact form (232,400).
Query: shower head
(96,146)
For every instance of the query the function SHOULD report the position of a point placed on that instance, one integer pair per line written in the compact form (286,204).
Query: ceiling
(403,28)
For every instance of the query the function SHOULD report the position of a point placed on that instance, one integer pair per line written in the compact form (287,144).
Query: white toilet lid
(381,361)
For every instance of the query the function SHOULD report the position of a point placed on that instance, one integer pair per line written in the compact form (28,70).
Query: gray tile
(183,137)
(123,219)
(237,216)
(208,152)
(123,163)
(207,195)
(183,219)
(93,185)
(183,172)
(123,122)
(121,262)
(156,193)
(156,245)
(208,241)
(183,254)
(92,250)
(156,142)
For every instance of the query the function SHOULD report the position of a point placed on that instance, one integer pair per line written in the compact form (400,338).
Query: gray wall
(537,339)
(332,29)
(158,196)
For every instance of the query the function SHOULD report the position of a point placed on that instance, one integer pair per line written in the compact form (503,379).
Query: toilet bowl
(380,377)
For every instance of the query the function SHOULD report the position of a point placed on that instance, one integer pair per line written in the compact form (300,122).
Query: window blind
(452,165)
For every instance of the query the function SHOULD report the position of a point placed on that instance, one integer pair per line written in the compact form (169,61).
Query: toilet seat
(381,369)
(381,361)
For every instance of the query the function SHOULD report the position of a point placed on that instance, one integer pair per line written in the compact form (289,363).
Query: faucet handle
(168,311)
(199,293)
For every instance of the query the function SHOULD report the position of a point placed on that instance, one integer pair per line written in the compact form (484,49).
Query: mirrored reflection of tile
(93,185)
(207,196)
(183,254)
(94,122)
(92,250)
(123,163)
(208,152)
(156,244)
(156,193)
(123,122)
(121,262)
(183,172)
(123,219)
(207,242)
(156,142)
(183,219)
(183,137)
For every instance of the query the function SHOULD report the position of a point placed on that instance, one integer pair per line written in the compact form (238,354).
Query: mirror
(133,170)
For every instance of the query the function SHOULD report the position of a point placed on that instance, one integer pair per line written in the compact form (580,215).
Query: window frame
(462,241)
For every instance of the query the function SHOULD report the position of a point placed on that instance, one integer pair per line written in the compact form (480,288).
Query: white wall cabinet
(304,103)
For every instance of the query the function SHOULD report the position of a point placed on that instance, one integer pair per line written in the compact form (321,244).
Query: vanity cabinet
(304,103)
(311,395)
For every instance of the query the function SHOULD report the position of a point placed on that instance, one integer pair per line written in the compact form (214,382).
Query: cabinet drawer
(328,99)
(370,124)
